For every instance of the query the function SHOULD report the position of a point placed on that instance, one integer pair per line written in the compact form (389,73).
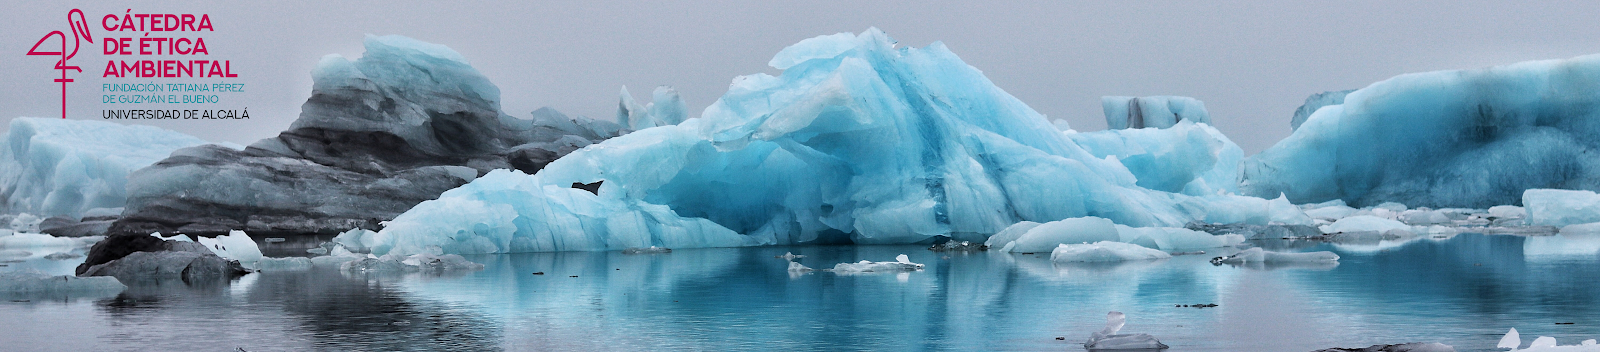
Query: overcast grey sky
(1252,62)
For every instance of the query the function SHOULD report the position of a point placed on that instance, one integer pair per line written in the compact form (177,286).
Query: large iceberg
(57,167)
(1470,139)
(402,124)
(1189,157)
(856,141)
(1554,207)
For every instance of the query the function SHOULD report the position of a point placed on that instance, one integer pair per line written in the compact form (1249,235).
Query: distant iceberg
(57,167)
(1468,138)
(857,141)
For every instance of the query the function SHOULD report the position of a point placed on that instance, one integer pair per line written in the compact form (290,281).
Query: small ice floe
(1544,344)
(1109,340)
(959,246)
(789,256)
(274,239)
(1256,255)
(1104,251)
(647,250)
(21,240)
(1402,347)
(799,268)
(29,283)
(901,264)
(236,245)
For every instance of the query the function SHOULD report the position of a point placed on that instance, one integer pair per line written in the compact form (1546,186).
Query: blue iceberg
(56,167)
(1468,139)
(857,141)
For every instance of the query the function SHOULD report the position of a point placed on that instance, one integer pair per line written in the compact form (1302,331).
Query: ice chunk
(1593,227)
(1190,158)
(1105,251)
(798,268)
(1314,102)
(790,256)
(14,253)
(1544,344)
(1175,239)
(1508,211)
(1554,207)
(283,264)
(1335,212)
(38,240)
(1257,255)
(34,283)
(334,261)
(26,223)
(1512,340)
(1424,217)
(393,263)
(57,167)
(236,245)
(177,237)
(1154,111)
(62,256)
(1108,339)
(902,263)
(1045,237)
(1364,223)
(667,109)
(1437,139)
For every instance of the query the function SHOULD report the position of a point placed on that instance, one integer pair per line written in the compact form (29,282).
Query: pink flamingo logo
(80,30)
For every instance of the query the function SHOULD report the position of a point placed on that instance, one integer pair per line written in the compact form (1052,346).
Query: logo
(80,31)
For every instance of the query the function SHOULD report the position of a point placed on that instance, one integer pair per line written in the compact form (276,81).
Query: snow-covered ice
(26,283)
(1555,207)
(901,263)
(236,245)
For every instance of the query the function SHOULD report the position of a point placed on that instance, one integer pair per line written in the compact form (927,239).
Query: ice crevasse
(856,141)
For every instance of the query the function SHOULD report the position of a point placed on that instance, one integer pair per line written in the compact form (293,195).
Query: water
(1465,291)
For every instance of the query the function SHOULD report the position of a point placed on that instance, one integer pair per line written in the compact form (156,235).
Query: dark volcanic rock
(1404,347)
(404,123)
(65,227)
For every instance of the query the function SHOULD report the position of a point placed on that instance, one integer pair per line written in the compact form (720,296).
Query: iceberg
(283,264)
(57,167)
(857,141)
(28,283)
(1257,255)
(1190,157)
(1154,111)
(1554,207)
(1314,102)
(400,125)
(901,264)
(1361,223)
(666,109)
(1467,138)
(1109,340)
(1105,251)
(236,245)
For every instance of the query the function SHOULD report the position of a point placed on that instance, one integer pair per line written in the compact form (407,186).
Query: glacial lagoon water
(1465,291)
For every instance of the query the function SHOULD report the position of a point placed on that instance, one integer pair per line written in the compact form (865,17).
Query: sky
(1251,62)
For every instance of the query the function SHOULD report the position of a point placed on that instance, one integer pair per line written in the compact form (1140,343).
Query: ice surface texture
(1470,139)
(856,141)
(1106,251)
(1156,111)
(405,122)
(1554,207)
(1190,158)
(56,167)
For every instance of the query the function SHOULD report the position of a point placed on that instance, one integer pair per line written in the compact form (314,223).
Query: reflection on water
(1465,290)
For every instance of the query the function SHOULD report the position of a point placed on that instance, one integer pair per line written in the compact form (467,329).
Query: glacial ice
(38,240)
(857,141)
(1512,340)
(1467,138)
(284,264)
(1031,237)
(236,245)
(1361,223)
(901,263)
(1314,102)
(1554,207)
(1190,158)
(34,283)
(1105,251)
(1109,340)
(57,167)
(1155,111)
(666,109)
(392,263)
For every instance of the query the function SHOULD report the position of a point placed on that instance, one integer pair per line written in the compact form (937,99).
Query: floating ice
(1190,158)
(1364,223)
(418,262)
(39,240)
(1108,339)
(1424,217)
(1554,207)
(57,167)
(177,237)
(1154,111)
(1257,255)
(1030,237)
(26,222)
(26,283)
(1104,251)
(1468,138)
(790,256)
(1544,344)
(795,267)
(856,142)
(236,245)
(1509,211)
(62,256)
(901,263)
